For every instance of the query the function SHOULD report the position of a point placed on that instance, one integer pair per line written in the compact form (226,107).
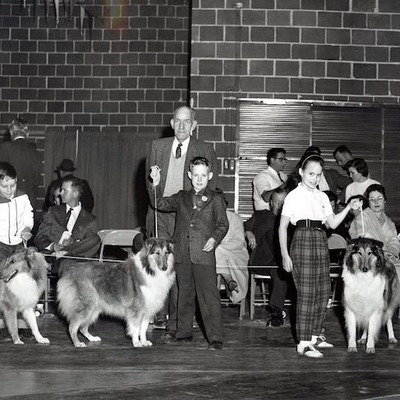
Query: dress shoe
(215,345)
(184,339)
(168,337)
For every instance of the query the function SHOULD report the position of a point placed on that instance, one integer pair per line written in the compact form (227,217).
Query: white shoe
(321,343)
(309,351)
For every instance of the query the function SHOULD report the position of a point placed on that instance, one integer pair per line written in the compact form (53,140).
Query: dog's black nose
(365,269)
(164,268)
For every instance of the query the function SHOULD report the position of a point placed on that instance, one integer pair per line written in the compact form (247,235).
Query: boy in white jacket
(16,213)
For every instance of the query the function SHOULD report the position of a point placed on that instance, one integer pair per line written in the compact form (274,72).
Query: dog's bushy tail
(67,295)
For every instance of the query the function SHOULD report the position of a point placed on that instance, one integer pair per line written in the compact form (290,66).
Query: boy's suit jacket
(195,226)
(53,225)
(160,154)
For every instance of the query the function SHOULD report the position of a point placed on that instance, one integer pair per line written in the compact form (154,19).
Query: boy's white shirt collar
(184,148)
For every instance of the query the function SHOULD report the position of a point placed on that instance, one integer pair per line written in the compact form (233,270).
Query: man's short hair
(18,128)
(342,149)
(75,182)
(359,165)
(199,161)
(7,171)
(273,153)
(192,112)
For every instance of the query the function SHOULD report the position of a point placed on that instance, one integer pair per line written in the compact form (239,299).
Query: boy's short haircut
(75,182)
(7,171)
(199,161)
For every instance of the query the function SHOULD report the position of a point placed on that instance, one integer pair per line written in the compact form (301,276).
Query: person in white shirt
(359,173)
(16,213)
(266,181)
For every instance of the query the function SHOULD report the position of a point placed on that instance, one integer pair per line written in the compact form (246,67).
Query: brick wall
(128,77)
(345,50)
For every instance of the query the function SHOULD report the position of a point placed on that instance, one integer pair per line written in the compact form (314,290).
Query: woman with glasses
(375,224)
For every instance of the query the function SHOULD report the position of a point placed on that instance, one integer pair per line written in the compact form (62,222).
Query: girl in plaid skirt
(309,209)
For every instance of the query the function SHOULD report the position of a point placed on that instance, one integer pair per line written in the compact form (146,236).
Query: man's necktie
(178,151)
(280,177)
(67,216)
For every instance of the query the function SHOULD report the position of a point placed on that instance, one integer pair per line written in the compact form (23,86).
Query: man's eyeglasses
(377,200)
(280,158)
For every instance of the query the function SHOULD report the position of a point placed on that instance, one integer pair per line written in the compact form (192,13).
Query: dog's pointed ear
(377,249)
(348,261)
(149,243)
(170,246)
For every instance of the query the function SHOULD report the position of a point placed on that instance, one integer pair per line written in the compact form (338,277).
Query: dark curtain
(114,166)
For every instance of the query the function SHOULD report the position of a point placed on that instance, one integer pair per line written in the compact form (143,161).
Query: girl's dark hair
(375,188)
(311,157)
(359,165)
(7,170)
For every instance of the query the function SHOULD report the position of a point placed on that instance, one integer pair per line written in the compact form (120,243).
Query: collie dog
(134,290)
(371,292)
(23,278)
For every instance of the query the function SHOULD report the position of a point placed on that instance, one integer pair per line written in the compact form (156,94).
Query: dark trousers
(201,281)
(279,287)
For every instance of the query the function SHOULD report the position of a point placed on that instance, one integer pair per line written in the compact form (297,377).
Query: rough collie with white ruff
(371,292)
(134,290)
(23,278)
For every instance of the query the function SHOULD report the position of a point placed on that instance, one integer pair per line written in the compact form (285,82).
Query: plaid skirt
(310,256)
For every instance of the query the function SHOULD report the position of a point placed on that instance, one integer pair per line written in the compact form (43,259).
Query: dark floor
(255,363)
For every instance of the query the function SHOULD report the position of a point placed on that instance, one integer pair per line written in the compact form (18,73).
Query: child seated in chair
(16,213)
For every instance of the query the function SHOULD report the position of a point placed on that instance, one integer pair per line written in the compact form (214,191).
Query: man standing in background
(24,157)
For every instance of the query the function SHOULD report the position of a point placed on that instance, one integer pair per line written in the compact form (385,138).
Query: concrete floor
(255,363)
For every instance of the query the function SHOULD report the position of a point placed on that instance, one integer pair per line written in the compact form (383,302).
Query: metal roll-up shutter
(263,125)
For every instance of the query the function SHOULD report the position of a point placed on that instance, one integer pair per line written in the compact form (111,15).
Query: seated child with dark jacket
(201,224)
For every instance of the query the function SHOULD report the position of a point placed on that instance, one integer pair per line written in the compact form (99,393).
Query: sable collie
(134,290)
(23,278)
(371,292)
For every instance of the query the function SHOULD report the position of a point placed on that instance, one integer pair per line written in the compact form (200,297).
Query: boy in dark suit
(201,224)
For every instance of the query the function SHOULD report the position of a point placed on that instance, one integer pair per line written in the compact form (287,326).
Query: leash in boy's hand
(155,174)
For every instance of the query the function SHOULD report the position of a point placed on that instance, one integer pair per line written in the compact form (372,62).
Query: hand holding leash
(155,175)
(356,204)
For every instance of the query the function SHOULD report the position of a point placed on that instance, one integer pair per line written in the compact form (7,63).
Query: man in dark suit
(68,229)
(172,155)
(66,169)
(24,157)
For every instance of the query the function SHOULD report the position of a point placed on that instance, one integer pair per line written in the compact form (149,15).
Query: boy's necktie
(178,151)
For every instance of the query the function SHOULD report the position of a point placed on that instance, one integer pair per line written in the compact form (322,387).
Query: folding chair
(116,237)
